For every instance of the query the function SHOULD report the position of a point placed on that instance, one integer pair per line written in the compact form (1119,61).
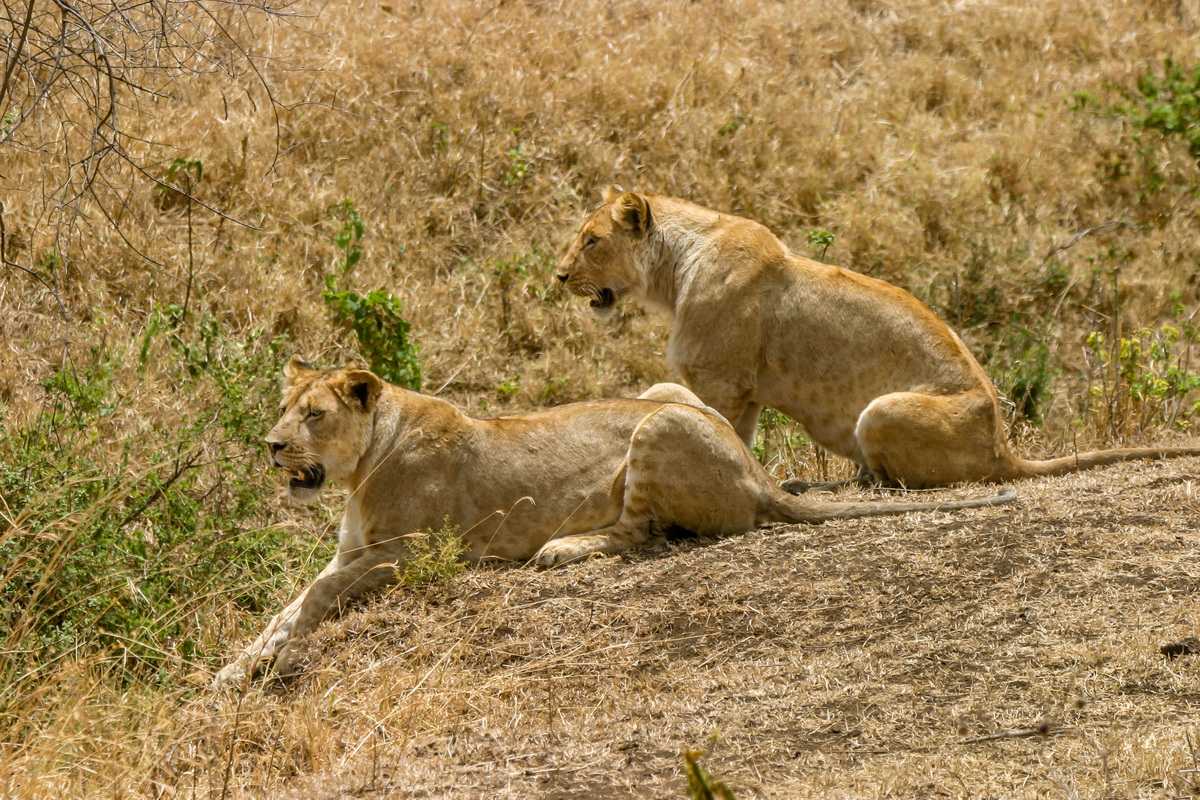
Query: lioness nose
(562,276)
(274,447)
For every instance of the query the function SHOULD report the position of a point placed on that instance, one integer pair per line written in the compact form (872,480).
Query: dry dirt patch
(853,659)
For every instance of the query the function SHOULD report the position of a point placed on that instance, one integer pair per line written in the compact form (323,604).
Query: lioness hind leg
(675,393)
(624,535)
(921,441)
(671,393)
(685,468)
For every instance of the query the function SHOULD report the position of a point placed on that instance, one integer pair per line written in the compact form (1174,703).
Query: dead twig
(1080,235)
(1044,729)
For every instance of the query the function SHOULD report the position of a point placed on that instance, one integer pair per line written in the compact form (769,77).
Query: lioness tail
(792,508)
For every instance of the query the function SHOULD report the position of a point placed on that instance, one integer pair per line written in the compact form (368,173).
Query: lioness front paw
(231,675)
(240,672)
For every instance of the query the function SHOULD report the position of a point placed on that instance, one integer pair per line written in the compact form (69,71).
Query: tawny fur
(552,486)
(871,373)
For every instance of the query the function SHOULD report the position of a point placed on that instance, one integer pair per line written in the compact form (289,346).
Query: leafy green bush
(1166,104)
(377,317)
(115,550)
(820,241)
(1025,371)
(382,332)
(1169,104)
(1145,379)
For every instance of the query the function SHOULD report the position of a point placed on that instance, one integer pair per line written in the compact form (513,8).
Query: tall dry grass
(935,140)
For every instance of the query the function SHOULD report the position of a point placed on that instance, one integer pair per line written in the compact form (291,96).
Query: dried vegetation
(948,148)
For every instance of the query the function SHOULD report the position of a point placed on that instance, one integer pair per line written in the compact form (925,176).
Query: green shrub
(114,552)
(1025,371)
(433,557)
(377,317)
(820,241)
(1145,379)
(1169,104)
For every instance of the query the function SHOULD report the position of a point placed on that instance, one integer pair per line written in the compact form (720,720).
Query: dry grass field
(1007,162)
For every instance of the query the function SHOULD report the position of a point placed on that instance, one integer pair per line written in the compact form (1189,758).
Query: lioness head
(600,263)
(325,425)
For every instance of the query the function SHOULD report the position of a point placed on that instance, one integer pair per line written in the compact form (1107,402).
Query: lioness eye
(590,240)
(315,413)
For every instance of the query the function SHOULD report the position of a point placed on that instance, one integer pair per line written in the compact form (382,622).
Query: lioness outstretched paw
(243,670)
(289,663)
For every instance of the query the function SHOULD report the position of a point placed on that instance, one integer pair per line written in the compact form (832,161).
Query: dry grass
(935,143)
(847,660)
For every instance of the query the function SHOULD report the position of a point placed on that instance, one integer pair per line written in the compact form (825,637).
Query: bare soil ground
(1005,652)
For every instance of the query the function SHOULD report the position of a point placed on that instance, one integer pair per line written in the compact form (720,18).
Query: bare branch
(16,56)
(75,77)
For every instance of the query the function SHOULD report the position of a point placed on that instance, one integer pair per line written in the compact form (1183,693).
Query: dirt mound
(999,652)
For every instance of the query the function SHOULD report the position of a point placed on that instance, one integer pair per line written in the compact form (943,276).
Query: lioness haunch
(552,486)
(869,370)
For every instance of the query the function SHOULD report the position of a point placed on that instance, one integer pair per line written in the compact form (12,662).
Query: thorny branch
(16,55)
(1080,235)
(1044,729)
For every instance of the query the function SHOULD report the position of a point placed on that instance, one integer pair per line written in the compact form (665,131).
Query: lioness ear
(358,388)
(632,212)
(295,369)
(612,193)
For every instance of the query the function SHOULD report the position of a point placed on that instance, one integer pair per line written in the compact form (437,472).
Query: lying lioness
(871,373)
(552,486)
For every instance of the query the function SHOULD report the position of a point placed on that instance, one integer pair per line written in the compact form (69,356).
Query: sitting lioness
(869,371)
(552,486)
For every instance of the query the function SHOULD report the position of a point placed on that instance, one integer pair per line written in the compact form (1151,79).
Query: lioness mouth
(308,477)
(604,299)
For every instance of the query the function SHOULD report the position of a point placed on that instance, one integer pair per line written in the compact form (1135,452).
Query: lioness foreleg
(742,416)
(732,399)
(342,581)
(262,652)
(330,594)
(747,423)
